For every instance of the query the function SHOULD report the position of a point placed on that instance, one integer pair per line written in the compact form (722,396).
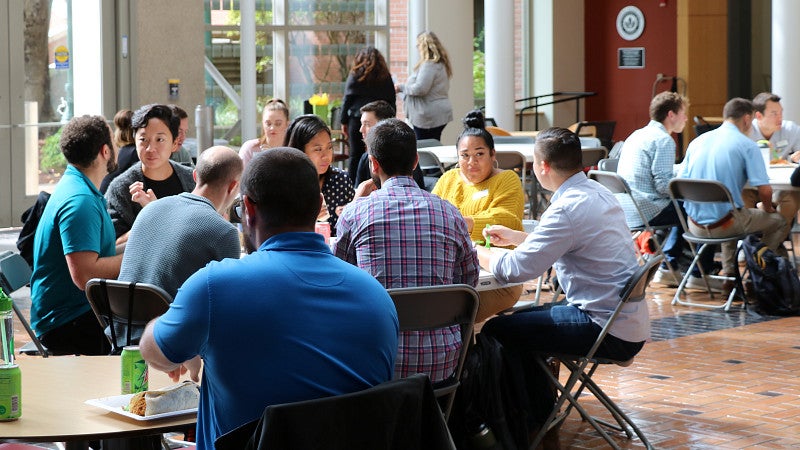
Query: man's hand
(192,366)
(503,236)
(344,131)
(795,157)
(365,188)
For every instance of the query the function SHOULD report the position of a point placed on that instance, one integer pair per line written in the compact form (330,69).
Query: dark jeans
(82,336)
(674,244)
(357,146)
(552,328)
(429,133)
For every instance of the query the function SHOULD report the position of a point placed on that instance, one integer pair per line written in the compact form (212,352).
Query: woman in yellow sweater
(485,195)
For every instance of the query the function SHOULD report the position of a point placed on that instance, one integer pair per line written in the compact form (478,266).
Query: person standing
(369,80)
(307,325)
(405,237)
(425,93)
(74,242)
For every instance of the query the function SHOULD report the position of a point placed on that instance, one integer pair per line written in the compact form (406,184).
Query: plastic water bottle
(483,438)
(6,330)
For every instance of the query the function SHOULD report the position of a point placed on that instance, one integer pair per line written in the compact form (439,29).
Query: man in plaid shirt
(407,237)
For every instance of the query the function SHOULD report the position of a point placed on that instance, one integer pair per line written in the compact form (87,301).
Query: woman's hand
(139,195)
(344,132)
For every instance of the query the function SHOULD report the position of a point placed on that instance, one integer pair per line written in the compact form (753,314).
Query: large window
(303,47)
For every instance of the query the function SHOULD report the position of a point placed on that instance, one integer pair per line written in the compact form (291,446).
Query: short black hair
(156,111)
(284,185)
(760,101)
(381,108)
(83,137)
(475,125)
(561,148)
(736,108)
(303,129)
(393,143)
(178,111)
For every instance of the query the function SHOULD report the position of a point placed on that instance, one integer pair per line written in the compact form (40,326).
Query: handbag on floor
(775,286)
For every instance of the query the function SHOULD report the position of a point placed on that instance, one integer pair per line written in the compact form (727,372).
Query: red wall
(624,94)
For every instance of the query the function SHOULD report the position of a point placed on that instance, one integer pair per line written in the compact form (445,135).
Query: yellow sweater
(498,200)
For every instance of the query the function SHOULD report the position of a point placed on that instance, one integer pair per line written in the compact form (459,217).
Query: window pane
(327,12)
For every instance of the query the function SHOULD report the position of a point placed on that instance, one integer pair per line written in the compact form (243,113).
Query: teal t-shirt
(74,220)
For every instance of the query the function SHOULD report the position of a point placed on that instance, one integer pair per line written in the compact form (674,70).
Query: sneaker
(667,278)
(717,285)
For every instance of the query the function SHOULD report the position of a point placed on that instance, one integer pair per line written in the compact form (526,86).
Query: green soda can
(134,371)
(10,392)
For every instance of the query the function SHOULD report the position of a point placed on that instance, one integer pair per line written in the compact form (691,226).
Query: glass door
(35,101)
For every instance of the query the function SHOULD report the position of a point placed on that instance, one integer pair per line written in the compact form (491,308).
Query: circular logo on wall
(630,23)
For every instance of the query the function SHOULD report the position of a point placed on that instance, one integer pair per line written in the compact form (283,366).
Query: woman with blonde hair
(274,121)
(369,80)
(425,93)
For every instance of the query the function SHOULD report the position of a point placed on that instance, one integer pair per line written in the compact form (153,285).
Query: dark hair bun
(474,119)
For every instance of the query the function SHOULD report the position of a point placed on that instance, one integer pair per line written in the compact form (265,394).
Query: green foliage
(262,18)
(50,157)
(478,68)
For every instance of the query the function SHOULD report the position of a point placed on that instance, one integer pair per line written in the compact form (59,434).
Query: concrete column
(786,56)
(499,25)
(247,66)
(417,23)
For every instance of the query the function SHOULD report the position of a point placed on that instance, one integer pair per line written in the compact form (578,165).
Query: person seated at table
(307,324)
(783,137)
(155,129)
(372,113)
(182,247)
(728,156)
(485,195)
(406,237)
(126,147)
(646,163)
(309,134)
(179,154)
(74,243)
(274,121)
(584,236)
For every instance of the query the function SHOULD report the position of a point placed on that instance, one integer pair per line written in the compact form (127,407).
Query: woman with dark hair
(369,80)
(123,139)
(309,134)
(485,195)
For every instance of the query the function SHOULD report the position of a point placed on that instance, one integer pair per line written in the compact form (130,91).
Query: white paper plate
(779,166)
(116,402)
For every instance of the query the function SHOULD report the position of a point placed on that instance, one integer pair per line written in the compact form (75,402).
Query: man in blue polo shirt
(75,242)
(728,156)
(289,322)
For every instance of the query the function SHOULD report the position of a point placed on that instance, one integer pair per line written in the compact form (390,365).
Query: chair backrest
(497,131)
(591,156)
(396,414)
(616,149)
(617,185)
(511,160)
(424,143)
(608,164)
(14,272)
(632,291)
(702,126)
(514,140)
(429,163)
(435,307)
(603,129)
(697,191)
(127,303)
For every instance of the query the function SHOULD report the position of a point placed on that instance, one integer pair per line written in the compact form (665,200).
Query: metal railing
(565,96)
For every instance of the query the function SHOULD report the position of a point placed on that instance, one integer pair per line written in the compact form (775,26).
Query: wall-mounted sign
(630,58)
(630,23)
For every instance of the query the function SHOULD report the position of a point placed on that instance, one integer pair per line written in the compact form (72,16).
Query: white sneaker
(717,285)
(666,278)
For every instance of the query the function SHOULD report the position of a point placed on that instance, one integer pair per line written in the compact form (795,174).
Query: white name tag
(480,194)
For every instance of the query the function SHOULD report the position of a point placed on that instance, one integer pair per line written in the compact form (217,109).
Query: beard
(111,165)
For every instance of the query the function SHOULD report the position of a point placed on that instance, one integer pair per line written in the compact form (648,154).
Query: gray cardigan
(425,96)
(122,209)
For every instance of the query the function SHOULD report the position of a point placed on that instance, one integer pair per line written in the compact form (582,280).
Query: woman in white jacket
(424,94)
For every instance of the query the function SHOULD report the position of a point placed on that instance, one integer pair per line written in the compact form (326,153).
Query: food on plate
(778,161)
(179,397)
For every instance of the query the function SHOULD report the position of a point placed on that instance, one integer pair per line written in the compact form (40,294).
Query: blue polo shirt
(74,220)
(289,322)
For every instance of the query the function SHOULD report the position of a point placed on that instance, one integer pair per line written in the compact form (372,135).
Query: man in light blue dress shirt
(583,235)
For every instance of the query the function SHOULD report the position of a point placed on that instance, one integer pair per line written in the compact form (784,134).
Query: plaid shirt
(646,162)
(407,237)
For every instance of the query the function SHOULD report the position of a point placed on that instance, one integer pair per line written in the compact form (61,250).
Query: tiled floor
(706,380)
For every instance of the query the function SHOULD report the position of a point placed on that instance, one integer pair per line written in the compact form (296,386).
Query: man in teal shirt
(75,242)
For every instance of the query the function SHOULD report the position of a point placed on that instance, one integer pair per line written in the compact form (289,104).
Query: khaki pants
(788,202)
(745,220)
(496,300)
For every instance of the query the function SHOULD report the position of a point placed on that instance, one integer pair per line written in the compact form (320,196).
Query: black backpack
(30,220)
(775,285)
(492,395)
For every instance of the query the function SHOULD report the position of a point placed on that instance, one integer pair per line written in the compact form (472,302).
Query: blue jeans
(674,244)
(557,329)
